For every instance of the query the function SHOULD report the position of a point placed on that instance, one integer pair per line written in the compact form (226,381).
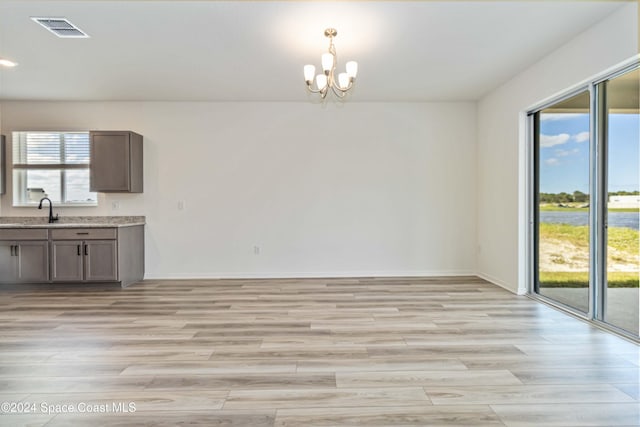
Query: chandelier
(327,79)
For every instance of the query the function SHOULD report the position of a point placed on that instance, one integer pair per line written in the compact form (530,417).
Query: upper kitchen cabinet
(116,162)
(3,165)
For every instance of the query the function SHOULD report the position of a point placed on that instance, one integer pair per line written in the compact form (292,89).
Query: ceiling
(254,51)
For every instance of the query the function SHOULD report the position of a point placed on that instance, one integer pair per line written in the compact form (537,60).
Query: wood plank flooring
(311,352)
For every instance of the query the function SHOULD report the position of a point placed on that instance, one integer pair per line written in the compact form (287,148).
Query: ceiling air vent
(61,27)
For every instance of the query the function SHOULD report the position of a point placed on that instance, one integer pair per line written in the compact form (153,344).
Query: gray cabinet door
(117,162)
(8,262)
(33,261)
(3,171)
(100,261)
(67,261)
(110,162)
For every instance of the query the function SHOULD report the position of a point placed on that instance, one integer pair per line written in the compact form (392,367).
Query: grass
(623,210)
(577,235)
(619,238)
(615,279)
(556,208)
(623,239)
(625,242)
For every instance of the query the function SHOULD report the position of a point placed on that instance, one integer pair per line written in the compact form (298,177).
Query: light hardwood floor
(366,352)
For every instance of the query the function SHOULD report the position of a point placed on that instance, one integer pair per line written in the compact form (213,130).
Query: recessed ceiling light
(61,27)
(7,63)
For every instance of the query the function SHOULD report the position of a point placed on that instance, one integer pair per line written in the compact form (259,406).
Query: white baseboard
(308,275)
(500,283)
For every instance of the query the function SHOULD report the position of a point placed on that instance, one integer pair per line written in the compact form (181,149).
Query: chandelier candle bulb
(340,85)
(343,80)
(321,81)
(309,72)
(352,69)
(327,63)
(7,63)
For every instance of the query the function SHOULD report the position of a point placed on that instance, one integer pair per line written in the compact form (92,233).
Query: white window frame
(20,197)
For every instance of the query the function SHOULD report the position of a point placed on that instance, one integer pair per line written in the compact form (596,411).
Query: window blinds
(54,149)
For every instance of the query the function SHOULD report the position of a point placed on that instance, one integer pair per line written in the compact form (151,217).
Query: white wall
(336,190)
(609,42)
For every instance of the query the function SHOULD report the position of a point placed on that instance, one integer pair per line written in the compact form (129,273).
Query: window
(53,165)
(563,209)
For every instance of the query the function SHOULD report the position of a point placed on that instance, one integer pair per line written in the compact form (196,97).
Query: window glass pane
(77,188)
(623,207)
(563,196)
(44,183)
(19,187)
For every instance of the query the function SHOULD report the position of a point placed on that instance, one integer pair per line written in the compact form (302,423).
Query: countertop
(71,221)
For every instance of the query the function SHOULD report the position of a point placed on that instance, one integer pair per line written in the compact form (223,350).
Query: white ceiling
(254,51)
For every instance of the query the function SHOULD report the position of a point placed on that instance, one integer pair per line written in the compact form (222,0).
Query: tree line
(578,196)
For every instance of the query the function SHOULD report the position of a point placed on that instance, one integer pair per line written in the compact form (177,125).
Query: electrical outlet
(115,205)
(256,250)
(182,205)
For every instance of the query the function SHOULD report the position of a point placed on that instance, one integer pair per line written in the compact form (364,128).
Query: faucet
(52,219)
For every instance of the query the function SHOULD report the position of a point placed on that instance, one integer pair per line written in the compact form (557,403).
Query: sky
(564,152)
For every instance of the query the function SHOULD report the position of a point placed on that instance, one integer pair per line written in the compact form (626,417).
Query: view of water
(616,219)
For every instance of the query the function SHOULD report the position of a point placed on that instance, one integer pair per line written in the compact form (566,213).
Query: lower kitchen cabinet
(23,261)
(7,262)
(84,261)
(72,255)
(67,261)
(33,261)
(100,261)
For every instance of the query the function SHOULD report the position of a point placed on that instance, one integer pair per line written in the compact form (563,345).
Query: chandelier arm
(346,89)
(322,91)
(338,92)
(312,90)
(332,82)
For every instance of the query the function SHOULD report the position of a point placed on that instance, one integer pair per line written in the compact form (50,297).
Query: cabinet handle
(11,249)
(82,233)
(79,251)
(86,249)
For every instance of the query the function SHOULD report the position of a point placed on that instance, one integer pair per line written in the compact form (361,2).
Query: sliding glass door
(586,201)
(562,154)
(621,120)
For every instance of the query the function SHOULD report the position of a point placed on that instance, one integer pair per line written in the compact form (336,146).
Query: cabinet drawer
(24,234)
(83,233)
